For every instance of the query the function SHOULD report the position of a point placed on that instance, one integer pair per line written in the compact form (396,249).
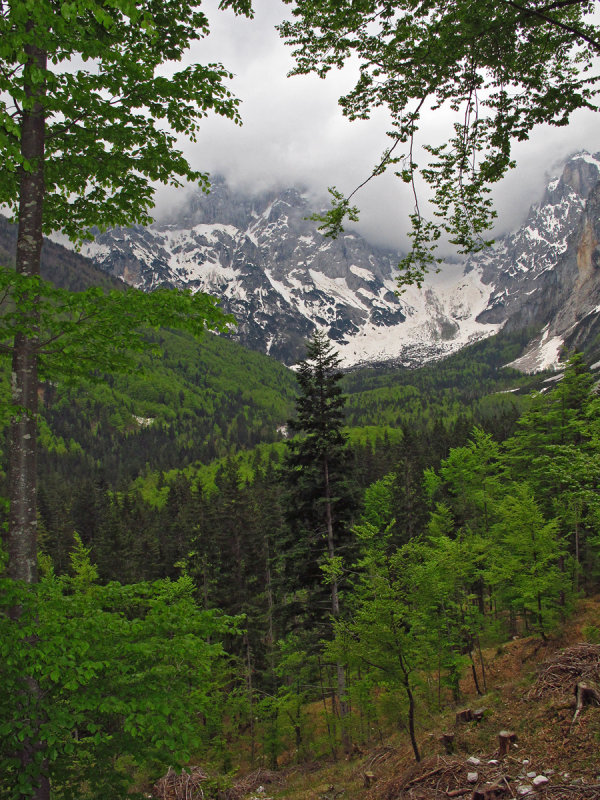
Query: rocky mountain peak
(581,173)
(271,268)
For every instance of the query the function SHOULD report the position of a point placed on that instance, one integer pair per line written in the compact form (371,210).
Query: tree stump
(370,779)
(447,739)
(586,694)
(478,714)
(489,791)
(505,739)
(466,715)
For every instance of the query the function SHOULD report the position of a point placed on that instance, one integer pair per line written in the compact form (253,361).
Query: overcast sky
(294,133)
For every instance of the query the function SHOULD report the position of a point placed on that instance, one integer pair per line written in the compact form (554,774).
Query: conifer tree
(319,497)
(321,502)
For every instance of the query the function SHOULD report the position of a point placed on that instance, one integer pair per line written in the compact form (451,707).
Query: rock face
(267,263)
(281,278)
(566,302)
(523,262)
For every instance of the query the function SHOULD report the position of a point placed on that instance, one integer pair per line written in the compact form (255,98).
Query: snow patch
(365,274)
(541,356)
(143,421)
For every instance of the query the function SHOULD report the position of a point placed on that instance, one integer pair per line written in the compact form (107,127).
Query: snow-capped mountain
(518,261)
(566,300)
(281,278)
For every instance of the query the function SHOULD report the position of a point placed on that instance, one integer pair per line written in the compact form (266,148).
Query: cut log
(505,739)
(466,715)
(587,693)
(447,739)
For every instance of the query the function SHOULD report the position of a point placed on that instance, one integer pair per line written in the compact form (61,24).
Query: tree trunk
(22,531)
(22,527)
(482,662)
(577,565)
(250,690)
(586,693)
(505,740)
(474,672)
(335,610)
(324,700)
(411,709)
(540,618)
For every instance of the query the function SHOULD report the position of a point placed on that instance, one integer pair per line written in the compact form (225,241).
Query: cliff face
(522,266)
(578,276)
(567,305)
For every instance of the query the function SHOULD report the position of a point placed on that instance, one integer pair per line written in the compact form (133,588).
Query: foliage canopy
(111,114)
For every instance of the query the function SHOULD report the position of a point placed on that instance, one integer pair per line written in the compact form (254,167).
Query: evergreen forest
(264,540)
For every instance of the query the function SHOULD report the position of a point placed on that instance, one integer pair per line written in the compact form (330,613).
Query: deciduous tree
(119,670)
(88,122)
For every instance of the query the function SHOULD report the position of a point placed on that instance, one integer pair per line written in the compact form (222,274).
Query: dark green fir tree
(321,501)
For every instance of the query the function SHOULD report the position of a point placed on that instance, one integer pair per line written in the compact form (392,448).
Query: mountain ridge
(271,267)
(273,270)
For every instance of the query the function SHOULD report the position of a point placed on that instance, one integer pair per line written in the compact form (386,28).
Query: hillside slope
(530,692)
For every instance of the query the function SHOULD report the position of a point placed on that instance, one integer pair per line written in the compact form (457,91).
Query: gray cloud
(294,133)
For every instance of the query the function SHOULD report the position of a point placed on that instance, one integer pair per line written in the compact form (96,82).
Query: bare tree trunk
(482,662)
(577,556)
(474,672)
(250,690)
(541,618)
(324,701)
(335,599)
(411,708)
(270,641)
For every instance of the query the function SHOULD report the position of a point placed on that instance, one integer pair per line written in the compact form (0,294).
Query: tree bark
(22,532)
(335,610)
(586,693)
(411,709)
(505,740)
(22,528)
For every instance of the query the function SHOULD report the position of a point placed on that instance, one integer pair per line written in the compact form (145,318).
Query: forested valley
(211,564)
(203,587)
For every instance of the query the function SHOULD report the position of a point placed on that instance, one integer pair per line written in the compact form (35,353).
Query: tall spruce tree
(315,472)
(321,500)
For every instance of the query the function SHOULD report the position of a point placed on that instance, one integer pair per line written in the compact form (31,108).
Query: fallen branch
(424,777)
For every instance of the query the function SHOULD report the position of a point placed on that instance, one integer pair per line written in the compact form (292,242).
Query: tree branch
(535,12)
(562,4)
